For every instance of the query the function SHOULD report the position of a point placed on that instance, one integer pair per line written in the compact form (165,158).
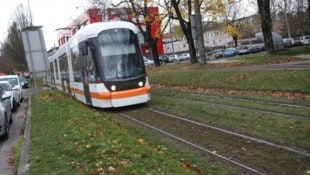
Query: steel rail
(212,152)
(303,153)
(250,109)
(252,100)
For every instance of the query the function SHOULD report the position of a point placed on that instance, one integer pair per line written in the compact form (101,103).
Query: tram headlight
(113,87)
(140,83)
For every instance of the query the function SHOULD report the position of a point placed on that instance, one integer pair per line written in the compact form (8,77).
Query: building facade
(94,15)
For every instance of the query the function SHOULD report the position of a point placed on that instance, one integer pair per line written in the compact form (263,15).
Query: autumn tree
(14,57)
(181,12)
(266,22)
(13,51)
(145,18)
(234,22)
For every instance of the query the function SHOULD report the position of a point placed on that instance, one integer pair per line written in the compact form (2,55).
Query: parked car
(183,56)
(8,91)
(172,58)
(242,50)
(230,52)
(14,80)
(163,58)
(5,114)
(23,82)
(218,53)
(148,62)
(288,42)
(253,48)
(297,42)
(305,39)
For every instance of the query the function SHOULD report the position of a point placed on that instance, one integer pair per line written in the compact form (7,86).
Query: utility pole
(200,42)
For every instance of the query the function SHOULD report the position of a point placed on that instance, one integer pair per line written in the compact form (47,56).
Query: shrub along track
(245,148)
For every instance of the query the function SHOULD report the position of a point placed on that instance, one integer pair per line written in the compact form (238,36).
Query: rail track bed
(253,135)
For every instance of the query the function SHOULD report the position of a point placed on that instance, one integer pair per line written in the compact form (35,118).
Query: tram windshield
(120,56)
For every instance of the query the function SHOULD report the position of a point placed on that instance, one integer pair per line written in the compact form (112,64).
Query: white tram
(102,66)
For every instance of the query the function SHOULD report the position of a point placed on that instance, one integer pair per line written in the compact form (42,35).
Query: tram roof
(92,30)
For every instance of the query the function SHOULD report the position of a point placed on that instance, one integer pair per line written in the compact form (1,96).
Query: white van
(14,80)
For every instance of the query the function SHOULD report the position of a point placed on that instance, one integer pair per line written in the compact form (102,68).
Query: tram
(102,66)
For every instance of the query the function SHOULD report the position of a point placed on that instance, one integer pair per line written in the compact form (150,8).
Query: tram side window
(56,67)
(91,72)
(76,73)
(52,70)
(63,64)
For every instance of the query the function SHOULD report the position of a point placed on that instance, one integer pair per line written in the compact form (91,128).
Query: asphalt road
(16,131)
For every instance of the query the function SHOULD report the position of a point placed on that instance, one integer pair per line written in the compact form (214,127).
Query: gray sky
(49,14)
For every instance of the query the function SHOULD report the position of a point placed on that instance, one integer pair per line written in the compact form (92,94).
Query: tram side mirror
(83,48)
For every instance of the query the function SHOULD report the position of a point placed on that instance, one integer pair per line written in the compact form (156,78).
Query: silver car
(14,80)
(5,114)
(8,89)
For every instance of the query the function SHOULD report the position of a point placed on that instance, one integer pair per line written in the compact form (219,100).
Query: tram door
(64,77)
(84,62)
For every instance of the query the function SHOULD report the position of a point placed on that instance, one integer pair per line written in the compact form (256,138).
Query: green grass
(278,129)
(67,137)
(281,80)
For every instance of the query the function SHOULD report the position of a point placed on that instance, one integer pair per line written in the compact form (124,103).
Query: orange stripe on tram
(121,94)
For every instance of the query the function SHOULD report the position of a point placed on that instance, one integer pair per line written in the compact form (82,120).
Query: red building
(110,14)
(88,17)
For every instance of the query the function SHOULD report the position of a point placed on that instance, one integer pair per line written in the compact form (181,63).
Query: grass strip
(272,80)
(281,130)
(271,159)
(67,137)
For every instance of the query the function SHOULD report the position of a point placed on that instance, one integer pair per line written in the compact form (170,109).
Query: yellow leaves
(111,169)
(99,171)
(99,164)
(190,167)
(231,30)
(141,141)
(62,157)
(125,162)
(157,148)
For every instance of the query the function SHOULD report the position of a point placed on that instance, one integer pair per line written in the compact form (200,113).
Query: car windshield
(5,87)
(13,81)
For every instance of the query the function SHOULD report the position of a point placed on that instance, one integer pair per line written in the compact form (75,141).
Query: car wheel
(15,104)
(11,119)
(6,130)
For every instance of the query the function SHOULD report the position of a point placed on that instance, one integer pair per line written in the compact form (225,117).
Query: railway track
(140,116)
(238,163)
(225,143)
(259,110)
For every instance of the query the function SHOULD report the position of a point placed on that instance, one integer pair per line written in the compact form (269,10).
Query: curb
(23,161)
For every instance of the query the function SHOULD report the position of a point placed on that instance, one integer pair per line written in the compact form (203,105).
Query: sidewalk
(24,156)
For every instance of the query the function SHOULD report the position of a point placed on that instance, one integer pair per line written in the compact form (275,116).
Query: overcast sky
(50,14)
